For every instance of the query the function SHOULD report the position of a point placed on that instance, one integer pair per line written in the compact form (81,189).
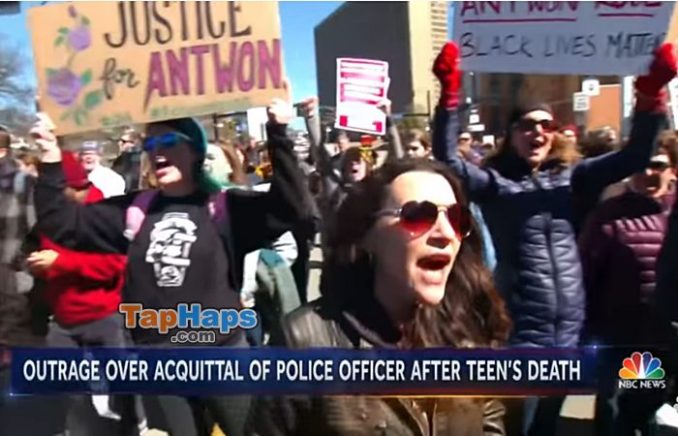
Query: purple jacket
(619,248)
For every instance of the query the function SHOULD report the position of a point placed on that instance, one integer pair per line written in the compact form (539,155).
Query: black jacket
(322,324)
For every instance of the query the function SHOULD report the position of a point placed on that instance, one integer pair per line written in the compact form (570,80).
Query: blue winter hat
(193,129)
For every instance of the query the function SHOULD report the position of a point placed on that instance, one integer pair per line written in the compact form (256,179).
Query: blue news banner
(223,371)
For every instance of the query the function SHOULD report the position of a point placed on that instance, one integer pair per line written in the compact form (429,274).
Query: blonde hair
(147,178)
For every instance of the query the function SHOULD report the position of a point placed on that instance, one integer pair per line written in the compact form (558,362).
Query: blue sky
(297,19)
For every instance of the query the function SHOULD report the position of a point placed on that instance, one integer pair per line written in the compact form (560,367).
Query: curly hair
(471,314)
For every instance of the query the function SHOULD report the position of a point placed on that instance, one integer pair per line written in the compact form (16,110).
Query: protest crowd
(553,238)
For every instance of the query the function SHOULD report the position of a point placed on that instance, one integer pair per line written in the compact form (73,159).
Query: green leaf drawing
(51,72)
(80,116)
(64,116)
(86,78)
(92,99)
(85,21)
(63,30)
(59,41)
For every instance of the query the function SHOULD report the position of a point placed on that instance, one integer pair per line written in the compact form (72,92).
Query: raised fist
(280,112)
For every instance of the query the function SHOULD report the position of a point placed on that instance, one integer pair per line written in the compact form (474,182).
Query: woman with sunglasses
(404,271)
(173,257)
(527,191)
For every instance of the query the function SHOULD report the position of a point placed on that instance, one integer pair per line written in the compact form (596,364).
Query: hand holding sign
(385,105)
(42,133)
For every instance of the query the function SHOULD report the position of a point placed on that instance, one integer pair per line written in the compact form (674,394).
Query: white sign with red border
(361,85)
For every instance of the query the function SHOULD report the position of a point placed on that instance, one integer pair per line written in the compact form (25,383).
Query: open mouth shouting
(434,268)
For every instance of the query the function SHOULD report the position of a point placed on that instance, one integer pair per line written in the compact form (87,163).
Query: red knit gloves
(446,69)
(650,95)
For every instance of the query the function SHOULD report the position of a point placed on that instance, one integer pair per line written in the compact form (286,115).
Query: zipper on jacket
(548,221)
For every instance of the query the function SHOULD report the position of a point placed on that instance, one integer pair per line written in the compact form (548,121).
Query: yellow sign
(106,64)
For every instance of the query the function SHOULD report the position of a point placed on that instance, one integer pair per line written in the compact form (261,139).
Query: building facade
(407,35)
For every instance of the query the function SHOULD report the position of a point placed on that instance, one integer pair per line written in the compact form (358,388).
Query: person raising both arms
(526,191)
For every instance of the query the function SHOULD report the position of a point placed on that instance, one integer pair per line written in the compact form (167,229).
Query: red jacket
(619,248)
(83,287)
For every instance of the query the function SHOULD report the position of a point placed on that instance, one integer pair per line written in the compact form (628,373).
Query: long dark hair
(471,313)
(507,162)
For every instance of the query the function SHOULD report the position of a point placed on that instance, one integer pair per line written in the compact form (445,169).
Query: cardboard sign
(361,85)
(106,64)
(560,37)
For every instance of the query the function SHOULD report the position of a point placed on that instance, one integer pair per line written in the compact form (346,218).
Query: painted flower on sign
(79,38)
(65,85)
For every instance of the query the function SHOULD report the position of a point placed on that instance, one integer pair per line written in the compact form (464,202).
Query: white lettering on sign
(560,37)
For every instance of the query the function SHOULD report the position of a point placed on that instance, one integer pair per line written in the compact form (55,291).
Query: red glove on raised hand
(446,69)
(650,96)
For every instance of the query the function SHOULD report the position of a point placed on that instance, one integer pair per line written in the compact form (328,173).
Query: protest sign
(560,37)
(105,64)
(361,85)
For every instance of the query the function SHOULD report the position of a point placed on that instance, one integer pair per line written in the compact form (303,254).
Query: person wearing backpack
(171,253)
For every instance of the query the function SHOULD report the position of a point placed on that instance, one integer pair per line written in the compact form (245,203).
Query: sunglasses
(167,140)
(658,166)
(418,217)
(529,125)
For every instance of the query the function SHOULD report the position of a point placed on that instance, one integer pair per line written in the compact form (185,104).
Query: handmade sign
(105,64)
(361,85)
(560,37)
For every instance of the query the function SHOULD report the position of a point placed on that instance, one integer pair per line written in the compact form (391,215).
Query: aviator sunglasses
(417,217)
(166,140)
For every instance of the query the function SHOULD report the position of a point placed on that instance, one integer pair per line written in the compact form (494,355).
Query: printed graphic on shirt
(169,248)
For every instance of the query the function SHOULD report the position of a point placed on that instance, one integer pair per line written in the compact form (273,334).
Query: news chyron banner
(277,371)
(564,37)
(106,64)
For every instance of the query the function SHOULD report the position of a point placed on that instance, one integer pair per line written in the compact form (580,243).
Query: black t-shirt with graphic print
(175,259)
(179,254)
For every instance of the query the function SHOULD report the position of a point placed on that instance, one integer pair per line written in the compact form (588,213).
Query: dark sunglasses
(417,217)
(659,166)
(167,140)
(528,125)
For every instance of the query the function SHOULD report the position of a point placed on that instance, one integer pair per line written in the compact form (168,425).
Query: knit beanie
(74,173)
(193,129)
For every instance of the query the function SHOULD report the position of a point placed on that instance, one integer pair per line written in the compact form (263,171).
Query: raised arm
(95,227)
(395,145)
(596,173)
(480,183)
(257,218)
(329,178)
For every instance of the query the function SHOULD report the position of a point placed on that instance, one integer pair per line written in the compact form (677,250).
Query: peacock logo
(642,366)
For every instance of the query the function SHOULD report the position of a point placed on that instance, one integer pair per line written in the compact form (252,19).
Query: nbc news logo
(642,371)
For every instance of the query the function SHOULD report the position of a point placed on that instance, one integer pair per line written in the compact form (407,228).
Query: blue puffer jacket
(530,216)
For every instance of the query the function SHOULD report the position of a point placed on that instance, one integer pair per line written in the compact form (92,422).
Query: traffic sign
(476,128)
(590,87)
(580,102)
